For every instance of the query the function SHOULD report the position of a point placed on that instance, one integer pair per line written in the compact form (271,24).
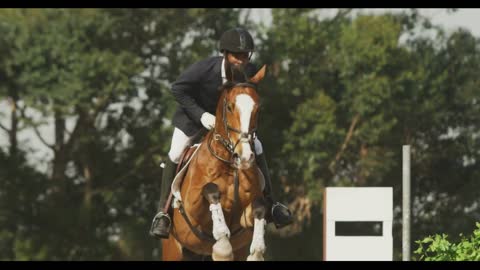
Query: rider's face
(238,59)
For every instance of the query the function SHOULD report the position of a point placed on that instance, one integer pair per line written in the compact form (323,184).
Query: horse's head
(236,127)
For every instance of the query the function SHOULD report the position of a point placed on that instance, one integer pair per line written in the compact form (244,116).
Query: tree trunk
(87,174)
(363,170)
(61,154)
(13,129)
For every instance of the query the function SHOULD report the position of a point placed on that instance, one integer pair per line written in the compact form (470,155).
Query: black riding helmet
(236,40)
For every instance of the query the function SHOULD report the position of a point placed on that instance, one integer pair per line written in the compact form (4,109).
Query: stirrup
(161,214)
(155,221)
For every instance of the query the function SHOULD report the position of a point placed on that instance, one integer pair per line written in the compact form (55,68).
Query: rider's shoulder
(204,64)
(209,61)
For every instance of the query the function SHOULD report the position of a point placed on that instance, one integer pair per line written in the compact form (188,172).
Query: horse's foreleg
(257,248)
(222,249)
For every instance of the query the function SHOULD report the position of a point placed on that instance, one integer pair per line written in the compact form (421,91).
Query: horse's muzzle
(241,162)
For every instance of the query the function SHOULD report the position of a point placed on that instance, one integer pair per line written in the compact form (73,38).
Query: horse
(221,191)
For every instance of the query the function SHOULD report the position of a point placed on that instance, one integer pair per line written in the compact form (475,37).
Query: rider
(197,92)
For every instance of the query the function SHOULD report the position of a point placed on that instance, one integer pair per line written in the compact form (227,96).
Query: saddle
(186,155)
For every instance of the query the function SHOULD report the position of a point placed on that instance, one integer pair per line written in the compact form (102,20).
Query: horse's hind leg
(257,248)
(171,250)
(222,249)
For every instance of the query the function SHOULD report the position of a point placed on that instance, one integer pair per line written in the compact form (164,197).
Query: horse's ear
(259,76)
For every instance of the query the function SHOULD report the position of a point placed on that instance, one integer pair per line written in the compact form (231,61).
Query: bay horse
(221,210)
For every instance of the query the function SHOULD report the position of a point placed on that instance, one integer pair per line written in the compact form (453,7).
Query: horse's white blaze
(245,105)
(258,241)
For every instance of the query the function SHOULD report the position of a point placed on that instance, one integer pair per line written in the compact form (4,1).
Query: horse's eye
(229,108)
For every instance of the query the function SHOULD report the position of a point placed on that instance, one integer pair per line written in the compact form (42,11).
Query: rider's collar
(224,74)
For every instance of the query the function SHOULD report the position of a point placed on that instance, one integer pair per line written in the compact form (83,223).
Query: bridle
(245,137)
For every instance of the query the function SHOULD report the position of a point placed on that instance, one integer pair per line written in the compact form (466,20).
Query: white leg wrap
(220,227)
(258,241)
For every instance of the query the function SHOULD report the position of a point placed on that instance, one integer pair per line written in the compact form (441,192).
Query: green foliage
(438,248)
(312,129)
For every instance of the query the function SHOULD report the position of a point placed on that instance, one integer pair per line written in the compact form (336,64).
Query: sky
(466,18)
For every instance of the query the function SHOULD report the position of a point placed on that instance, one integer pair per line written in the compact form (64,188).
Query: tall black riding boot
(161,222)
(279,214)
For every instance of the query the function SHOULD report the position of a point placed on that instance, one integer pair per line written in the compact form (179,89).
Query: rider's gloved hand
(208,120)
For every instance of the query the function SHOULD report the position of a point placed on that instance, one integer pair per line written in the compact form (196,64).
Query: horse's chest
(246,192)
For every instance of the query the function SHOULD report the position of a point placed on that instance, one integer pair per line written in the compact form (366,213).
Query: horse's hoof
(222,250)
(257,256)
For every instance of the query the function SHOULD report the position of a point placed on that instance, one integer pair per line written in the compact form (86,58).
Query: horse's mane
(227,86)
(239,75)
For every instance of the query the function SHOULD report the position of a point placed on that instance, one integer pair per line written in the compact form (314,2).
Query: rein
(245,137)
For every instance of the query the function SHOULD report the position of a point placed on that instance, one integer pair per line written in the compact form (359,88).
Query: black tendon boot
(161,222)
(279,214)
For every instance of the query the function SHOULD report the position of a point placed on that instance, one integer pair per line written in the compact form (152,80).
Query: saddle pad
(177,180)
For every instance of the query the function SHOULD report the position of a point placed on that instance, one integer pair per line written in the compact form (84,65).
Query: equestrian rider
(197,93)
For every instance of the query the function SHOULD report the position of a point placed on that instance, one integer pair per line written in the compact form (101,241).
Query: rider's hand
(208,120)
